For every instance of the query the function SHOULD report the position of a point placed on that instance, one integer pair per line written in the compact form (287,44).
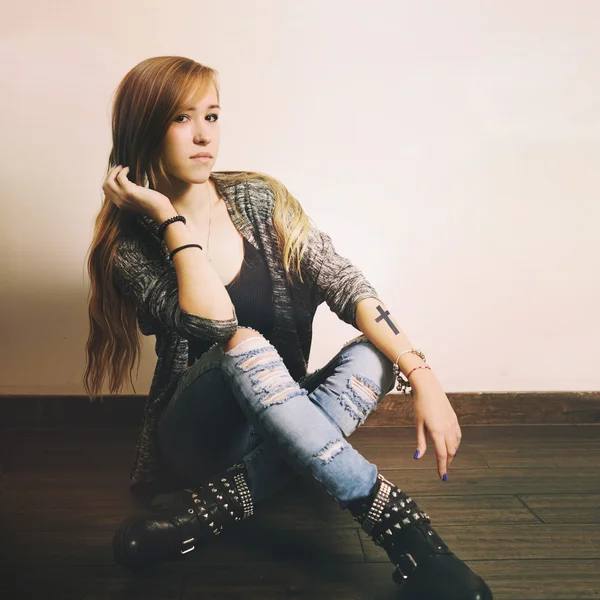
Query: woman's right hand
(127,195)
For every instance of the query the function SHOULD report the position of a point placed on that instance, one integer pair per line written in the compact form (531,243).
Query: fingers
(446,446)
(441,454)
(121,177)
(114,172)
(115,184)
(110,180)
(452,446)
(421,440)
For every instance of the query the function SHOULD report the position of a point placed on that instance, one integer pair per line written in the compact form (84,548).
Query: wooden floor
(521,507)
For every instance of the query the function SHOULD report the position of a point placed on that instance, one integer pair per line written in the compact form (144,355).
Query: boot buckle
(408,565)
(190,541)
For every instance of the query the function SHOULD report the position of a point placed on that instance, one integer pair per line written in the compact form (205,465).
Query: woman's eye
(211,115)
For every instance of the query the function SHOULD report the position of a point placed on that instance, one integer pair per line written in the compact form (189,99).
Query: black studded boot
(183,520)
(425,566)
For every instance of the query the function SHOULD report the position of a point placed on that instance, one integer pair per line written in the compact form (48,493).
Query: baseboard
(497,408)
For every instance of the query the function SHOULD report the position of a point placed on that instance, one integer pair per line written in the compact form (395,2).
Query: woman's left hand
(434,412)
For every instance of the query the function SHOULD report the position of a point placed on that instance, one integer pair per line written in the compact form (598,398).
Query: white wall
(451,150)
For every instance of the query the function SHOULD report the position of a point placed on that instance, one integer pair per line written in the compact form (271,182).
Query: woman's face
(195,129)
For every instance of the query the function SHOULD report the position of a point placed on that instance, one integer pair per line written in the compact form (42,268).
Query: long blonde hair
(147,100)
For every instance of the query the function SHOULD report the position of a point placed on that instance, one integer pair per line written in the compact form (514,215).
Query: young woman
(227,271)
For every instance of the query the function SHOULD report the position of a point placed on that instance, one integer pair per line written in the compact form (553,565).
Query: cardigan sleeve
(152,285)
(336,280)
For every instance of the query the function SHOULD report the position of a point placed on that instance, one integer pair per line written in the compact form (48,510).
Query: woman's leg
(297,429)
(204,430)
(305,436)
(347,390)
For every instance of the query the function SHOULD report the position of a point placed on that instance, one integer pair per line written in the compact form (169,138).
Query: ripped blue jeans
(243,405)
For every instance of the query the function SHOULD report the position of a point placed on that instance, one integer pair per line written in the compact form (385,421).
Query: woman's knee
(250,348)
(256,356)
(372,362)
(242,334)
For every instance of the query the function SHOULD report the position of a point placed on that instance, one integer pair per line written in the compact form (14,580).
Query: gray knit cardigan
(142,271)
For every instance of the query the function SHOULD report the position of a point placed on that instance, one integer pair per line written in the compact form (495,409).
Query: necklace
(209,223)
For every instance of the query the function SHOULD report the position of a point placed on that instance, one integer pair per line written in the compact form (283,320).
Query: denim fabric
(243,405)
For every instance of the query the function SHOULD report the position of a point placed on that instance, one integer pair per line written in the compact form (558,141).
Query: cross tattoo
(384,315)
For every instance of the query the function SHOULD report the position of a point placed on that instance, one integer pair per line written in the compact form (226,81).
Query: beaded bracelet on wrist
(404,386)
(165,224)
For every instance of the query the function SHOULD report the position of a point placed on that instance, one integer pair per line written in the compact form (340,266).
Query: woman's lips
(201,158)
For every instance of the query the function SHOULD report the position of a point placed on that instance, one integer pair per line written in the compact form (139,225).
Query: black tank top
(251,294)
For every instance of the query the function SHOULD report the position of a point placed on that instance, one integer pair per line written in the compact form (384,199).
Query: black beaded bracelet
(181,248)
(161,229)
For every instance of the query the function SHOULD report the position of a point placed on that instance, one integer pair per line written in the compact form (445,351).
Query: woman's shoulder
(251,192)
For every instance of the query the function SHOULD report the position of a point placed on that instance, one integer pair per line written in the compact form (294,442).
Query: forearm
(374,320)
(201,291)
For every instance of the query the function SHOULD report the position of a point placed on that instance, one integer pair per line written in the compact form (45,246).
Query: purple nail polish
(416,454)
(444,477)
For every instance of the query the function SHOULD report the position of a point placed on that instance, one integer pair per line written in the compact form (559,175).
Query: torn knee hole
(360,397)
(280,396)
(255,359)
(277,375)
(247,344)
(368,390)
